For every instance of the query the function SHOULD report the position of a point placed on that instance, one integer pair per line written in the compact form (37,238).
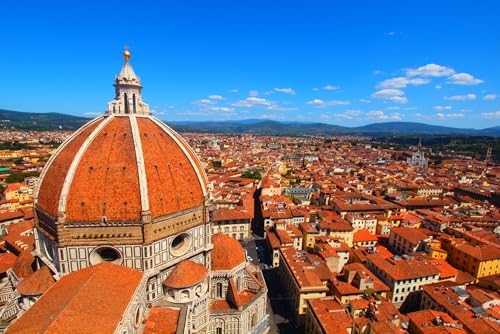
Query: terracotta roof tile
(172,181)
(185,274)
(23,267)
(51,184)
(106,181)
(227,252)
(101,293)
(162,321)
(36,283)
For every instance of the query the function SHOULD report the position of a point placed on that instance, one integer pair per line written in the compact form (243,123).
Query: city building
(122,225)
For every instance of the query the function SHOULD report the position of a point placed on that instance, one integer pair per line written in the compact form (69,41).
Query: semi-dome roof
(227,252)
(185,274)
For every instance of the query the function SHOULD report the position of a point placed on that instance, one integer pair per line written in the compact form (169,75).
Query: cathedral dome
(227,252)
(186,274)
(126,168)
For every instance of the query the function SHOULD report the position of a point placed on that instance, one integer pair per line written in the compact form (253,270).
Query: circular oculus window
(181,244)
(105,254)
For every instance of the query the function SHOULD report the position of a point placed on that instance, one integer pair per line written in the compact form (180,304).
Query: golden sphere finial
(126,53)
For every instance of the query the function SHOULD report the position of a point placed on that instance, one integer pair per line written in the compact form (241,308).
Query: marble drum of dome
(124,188)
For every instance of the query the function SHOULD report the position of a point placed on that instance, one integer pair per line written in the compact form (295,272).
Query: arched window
(135,104)
(125,99)
(218,290)
(238,284)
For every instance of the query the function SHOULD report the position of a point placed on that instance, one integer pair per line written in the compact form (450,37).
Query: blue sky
(341,62)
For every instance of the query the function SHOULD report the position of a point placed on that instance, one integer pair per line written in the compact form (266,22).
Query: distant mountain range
(52,121)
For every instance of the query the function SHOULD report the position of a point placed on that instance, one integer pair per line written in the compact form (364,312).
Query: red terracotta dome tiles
(106,181)
(53,180)
(186,274)
(172,181)
(227,252)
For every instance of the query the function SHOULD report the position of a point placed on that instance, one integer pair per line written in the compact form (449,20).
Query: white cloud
(365,101)
(253,101)
(204,102)
(216,97)
(393,95)
(222,109)
(289,91)
(315,89)
(331,87)
(381,116)
(157,112)
(96,113)
(402,82)
(442,116)
(269,116)
(349,114)
(393,108)
(430,70)
(325,116)
(466,97)
(463,79)
(422,117)
(278,108)
(442,108)
(321,103)
(491,115)
(490,97)
(234,90)
(253,92)
(438,86)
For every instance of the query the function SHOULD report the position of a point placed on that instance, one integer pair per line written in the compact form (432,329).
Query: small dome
(185,274)
(227,252)
(37,283)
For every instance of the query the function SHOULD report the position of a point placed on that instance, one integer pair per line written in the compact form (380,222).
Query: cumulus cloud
(393,95)
(275,107)
(95,113)
(222,109)
(430,70)
(253,93)
(321,103)
(269,116)
(234,90)
(490,97)
(289,91)
(204,102)
(402,82)
(466,97)
(331,87)
(463,79)
(442,116)
(491,115)
(253,101)
(216,97)
(442,108)
(381,116)
(349,114)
